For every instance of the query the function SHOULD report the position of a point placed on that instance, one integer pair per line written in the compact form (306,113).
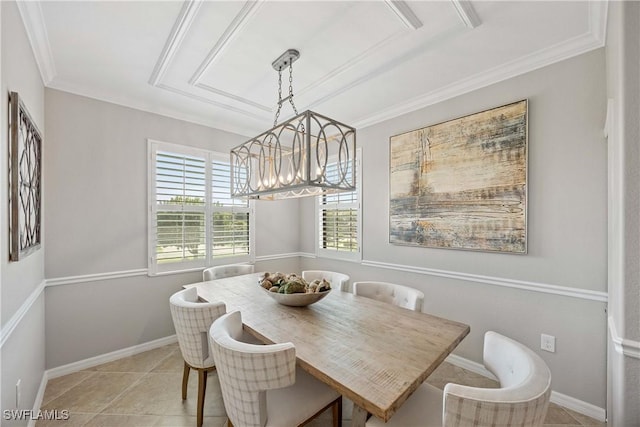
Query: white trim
(579,406)
(466,13)
(404,13)
(246,101)
(489,280)
(278,256)
(542,58)
(34,25)
(17,317)
(623,346)
(68,280)
(178,32)
(568,402)
(598,11)
(212,102)
(585,294)
(37,403)
(247,11)
(470,365)
(109,357)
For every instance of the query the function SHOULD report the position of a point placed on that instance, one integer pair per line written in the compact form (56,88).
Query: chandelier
(309,154)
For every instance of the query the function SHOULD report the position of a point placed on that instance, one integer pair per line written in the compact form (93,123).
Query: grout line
(135,383)
(123,391)
(51,399)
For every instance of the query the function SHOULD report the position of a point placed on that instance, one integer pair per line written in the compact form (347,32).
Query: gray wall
(567,227)
(623,90)
(23,352)
(96,200)
(96,223)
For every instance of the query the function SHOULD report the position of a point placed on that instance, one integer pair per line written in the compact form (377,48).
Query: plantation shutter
(339,221)
(180,200)
(231,217)
(193,221)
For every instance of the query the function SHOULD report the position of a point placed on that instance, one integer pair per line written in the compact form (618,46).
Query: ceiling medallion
(308,154)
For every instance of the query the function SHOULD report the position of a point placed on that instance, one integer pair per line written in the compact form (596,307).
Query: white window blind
(339,220)
(230,216)
(192,219)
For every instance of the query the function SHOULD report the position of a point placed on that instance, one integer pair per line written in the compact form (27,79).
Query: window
(338,218)
(193,221)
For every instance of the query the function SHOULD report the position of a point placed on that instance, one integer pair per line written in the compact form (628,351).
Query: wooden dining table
(374,353)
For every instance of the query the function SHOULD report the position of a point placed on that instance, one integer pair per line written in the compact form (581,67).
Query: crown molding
(155,108)
(36,29)
(467,13)
(542,58)
(180,28)
(404,14)
(248,10)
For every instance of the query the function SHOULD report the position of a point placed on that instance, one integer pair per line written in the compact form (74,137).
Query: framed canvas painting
(462,184)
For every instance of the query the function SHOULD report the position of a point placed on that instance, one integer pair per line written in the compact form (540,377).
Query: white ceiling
(361,62)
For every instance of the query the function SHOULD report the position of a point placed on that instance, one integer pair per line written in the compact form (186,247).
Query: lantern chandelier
(307,155)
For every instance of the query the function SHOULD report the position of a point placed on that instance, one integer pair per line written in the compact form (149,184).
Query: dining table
(373,353)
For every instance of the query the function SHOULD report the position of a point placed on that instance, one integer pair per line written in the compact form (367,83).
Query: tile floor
(144,390)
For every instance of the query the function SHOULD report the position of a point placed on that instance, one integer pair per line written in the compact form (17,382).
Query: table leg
(359,416)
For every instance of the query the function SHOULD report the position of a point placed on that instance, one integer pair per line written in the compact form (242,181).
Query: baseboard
(108,357)
(563,400)
(470,365)
(37,403)
(579,406)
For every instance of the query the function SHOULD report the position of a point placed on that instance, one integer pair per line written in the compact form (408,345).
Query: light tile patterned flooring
(144,390)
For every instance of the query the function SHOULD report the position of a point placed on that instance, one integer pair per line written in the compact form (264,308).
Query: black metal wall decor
(25,181)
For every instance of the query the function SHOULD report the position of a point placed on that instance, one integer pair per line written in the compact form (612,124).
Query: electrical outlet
(18,393)
(548,343)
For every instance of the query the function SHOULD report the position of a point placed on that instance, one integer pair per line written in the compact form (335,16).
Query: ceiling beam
(467,13)
(404,13)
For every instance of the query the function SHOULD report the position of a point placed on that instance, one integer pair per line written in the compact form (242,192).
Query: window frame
(355,256)
(155,268)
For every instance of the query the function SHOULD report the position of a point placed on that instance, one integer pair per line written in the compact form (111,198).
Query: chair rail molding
(17,317)
(68,280)
(497,281)
(622,345)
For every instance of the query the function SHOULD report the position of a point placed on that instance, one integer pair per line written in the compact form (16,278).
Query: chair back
(522,400)
(192,320)
(222,271)
(247,371)
(400,295)
(338,280)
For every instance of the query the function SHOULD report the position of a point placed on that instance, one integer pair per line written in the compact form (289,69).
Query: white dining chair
(400,295)
(261,386)
(521,400)
(192,320)
(222,271)
(338,280)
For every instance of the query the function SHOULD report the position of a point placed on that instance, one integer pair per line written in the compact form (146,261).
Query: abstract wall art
(462,184)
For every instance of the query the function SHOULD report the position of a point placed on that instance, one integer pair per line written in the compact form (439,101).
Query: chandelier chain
(295,110)
(275,120)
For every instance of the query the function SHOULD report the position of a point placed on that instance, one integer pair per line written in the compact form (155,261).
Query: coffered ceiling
(361,62)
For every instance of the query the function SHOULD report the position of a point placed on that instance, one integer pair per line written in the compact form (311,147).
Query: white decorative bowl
(296,300)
